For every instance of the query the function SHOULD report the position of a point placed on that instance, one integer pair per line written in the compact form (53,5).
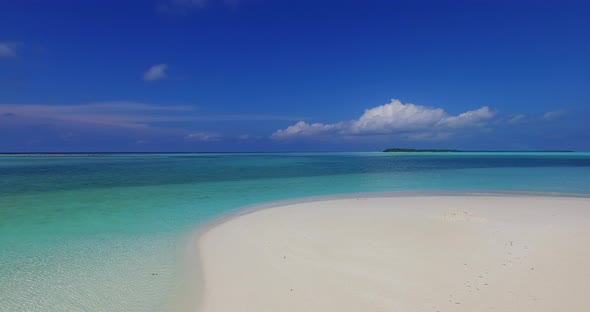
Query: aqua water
(105,233)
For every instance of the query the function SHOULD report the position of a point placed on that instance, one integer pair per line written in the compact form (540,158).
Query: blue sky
(255,75)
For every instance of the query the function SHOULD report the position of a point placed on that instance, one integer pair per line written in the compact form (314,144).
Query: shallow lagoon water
(105,233)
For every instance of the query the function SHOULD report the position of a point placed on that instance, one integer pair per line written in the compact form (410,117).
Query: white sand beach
(415,253)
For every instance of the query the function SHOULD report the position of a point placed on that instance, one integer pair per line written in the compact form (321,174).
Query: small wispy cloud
(121,113)
(249,137)
(244,136)
(203,136)
(554,114)
(124,114)
(516,119)
(184,7)
(531,119)
(8,49)
(156,72)
(181,7)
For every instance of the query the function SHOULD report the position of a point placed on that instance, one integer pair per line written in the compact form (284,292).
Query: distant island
(415,150)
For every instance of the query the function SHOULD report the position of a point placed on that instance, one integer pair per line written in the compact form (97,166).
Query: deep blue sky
(234,75)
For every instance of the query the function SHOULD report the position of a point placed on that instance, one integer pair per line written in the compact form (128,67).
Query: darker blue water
(33,174)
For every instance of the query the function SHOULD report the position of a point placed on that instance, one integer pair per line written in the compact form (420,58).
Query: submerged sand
(423,253)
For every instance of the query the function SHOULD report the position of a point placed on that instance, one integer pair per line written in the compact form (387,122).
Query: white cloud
(554,114)
(203,136)
(155,72)
(396,116)
(304,129)
(476,117)
(410,121)
(123,114)
(140,123)
(8,49)
(516,119)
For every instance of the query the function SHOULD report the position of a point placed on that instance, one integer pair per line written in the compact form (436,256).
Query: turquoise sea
(105,233)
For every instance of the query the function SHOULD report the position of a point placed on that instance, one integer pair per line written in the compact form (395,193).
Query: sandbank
(404,253)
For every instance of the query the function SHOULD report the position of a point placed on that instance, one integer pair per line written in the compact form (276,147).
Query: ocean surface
(105,233)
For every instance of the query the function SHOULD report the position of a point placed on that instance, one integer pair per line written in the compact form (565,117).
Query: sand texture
(419,253)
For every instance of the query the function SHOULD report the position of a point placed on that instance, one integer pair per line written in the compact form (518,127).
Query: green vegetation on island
(414,150)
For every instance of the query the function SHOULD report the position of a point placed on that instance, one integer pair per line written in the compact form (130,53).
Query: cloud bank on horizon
(142,124)
(123,114)
(407,121)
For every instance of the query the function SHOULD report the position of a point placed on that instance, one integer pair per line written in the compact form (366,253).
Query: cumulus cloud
(156,72)
(304,129)
(478,117)
(396,116)
(203,136)
(8,49)
(411,121)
